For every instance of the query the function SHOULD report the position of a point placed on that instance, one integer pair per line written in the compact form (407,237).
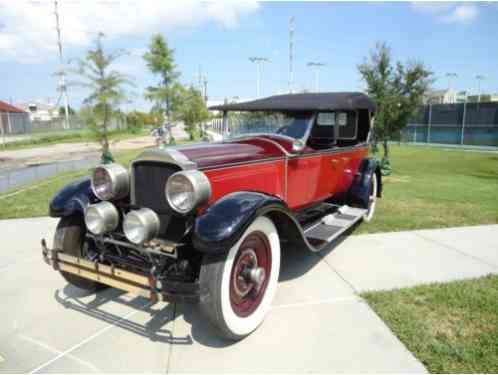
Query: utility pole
(205,86)
(316,67)
(258,61)
(291,54)
(450,77)
(479,79)
(62,72)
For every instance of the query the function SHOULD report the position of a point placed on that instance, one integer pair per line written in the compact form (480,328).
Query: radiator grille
(149,181)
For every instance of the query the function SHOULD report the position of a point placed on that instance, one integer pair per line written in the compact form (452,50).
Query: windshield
(293,125)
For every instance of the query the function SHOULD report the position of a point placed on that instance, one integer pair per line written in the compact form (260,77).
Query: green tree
(192,111)
(106,91)
(70,111)
(166,95)
(398,89)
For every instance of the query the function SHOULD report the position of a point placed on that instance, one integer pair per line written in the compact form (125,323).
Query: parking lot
(318,322)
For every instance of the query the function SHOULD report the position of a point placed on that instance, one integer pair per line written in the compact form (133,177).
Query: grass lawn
(451,328)
(33,200)
(431,187)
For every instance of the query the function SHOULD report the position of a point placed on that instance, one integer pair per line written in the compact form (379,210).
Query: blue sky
(448,37)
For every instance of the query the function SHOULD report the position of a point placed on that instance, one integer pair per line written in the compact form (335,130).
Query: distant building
(482,98)
(13,120)
(441,97)
(40,111)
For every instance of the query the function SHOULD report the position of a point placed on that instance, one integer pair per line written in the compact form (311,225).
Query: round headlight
(110,181)
(141,225)
(101,218)
(186,190)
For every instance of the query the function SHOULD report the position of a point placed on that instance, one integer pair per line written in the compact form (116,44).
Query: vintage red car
(209,222)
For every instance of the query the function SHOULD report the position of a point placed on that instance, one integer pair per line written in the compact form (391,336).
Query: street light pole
(316,65)
(463,119)
(479,79)
(258,61)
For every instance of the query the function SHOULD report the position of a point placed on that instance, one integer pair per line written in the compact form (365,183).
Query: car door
(303,175)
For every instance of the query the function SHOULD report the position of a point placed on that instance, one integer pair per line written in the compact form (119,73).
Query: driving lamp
(110,181)
(185,190)
(141,225)
(101,218)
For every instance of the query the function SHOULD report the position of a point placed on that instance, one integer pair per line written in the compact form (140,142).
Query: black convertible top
(325,101)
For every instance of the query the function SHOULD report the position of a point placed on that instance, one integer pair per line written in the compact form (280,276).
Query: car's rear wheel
(239,286)
(372,199)
(70,238)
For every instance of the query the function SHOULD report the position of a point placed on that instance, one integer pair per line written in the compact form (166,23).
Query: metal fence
(16,127)
(463,124)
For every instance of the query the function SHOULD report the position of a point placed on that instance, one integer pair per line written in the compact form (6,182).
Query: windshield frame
(304,138)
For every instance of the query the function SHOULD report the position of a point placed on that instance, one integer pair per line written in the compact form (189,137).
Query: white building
(441,97)
(40,111)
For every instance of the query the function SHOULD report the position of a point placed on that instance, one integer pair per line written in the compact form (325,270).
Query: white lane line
(318,302)
(57,351)
(85,341)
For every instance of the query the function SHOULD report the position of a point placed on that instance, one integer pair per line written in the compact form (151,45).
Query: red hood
(212,155)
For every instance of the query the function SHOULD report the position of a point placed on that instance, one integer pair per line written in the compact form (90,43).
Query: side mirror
(298,145)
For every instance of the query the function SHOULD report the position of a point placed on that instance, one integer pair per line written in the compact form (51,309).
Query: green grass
(68,136)
(429,188)
(33,199)
(450,328)
(432,187)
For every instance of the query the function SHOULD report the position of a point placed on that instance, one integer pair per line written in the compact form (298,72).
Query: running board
(329,227)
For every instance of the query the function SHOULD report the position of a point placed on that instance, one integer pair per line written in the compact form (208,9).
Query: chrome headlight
(186,190)
(110,181)
(141,225)
(101,218)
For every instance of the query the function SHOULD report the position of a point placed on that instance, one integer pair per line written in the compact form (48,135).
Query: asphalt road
(318,322)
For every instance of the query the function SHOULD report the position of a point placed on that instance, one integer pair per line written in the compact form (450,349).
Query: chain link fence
(15,127)
(473,124)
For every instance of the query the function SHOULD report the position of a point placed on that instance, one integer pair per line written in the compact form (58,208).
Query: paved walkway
(318,322)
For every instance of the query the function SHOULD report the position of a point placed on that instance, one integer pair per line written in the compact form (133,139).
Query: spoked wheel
(240,285)
(372,199)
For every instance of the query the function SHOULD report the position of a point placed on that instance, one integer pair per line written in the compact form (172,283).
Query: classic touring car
(209,222)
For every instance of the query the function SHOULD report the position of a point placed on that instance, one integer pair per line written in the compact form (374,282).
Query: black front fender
(222,225)
(73,198)
(360,189)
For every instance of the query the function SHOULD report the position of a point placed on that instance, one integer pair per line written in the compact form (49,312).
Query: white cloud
(28,33)
(448,11)
(464,13)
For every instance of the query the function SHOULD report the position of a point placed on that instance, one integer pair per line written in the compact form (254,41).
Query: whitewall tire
(372,199)
(239,286)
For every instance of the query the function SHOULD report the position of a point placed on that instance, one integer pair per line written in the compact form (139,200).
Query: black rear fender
(360,188)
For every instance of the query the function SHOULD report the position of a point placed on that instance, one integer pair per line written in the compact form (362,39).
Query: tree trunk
(105,140)
(386,149)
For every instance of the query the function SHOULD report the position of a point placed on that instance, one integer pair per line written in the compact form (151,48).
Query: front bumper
(145,286)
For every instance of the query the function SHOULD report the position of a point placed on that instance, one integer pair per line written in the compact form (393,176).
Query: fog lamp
(141,225)
(101,218)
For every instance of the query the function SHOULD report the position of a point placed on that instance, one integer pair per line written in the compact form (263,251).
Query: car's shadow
(295,263)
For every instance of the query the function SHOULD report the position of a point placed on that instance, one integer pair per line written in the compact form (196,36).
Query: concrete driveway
(318,322)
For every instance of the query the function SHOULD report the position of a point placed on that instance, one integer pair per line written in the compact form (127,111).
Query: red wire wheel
(250,274)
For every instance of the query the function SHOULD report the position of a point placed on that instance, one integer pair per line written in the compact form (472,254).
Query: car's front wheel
(70,238)
(239,286)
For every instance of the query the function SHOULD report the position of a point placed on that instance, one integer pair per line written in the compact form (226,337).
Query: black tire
(216,276)
(69,237)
